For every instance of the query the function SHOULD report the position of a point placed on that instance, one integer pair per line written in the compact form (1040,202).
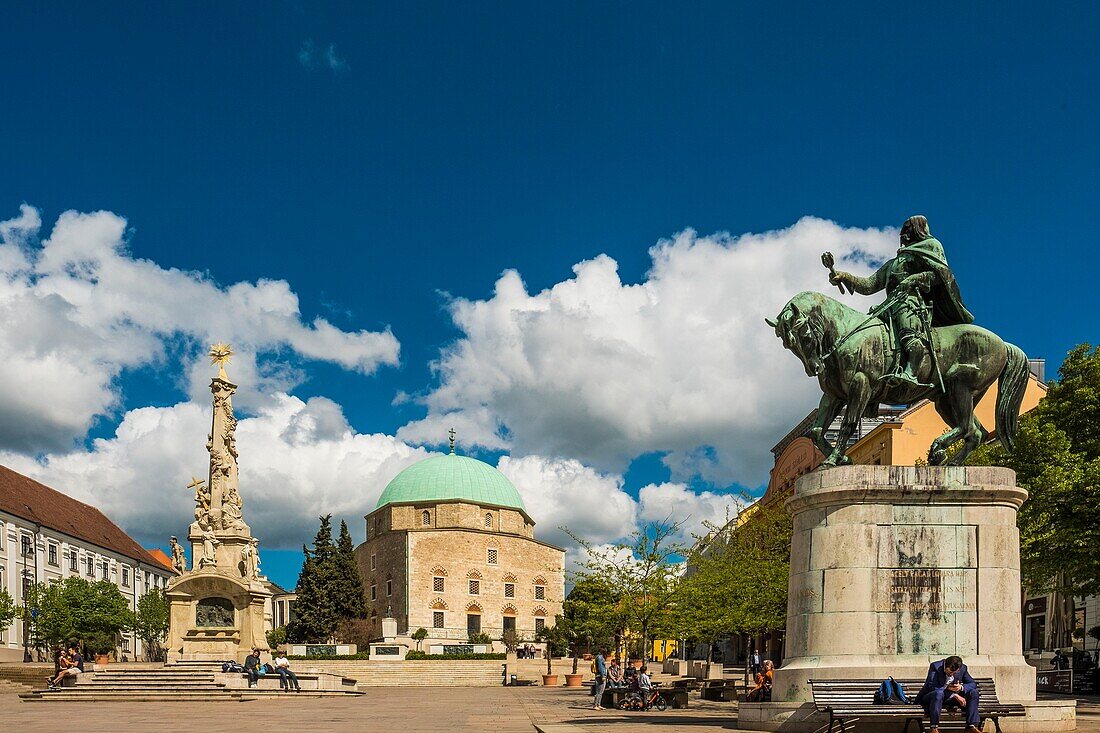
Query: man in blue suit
(949,684)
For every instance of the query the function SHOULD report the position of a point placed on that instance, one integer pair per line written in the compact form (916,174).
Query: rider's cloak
(947,305)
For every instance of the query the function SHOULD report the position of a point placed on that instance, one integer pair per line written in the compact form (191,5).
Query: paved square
(400,709)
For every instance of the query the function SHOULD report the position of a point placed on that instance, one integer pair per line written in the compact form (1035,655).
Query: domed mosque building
(450,548)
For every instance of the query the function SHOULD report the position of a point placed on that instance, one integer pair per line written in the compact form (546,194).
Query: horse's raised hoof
(936,457)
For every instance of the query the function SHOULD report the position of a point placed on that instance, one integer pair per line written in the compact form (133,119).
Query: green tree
(644,572)
(75,609)
(276,637)
(593,611)
(557,638)
(737,577)
(150,623)
(315,616)
(419,636)
(346,582)
(9,610)
(1057,459)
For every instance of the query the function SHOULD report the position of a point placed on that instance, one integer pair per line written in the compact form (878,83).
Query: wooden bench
(851,700)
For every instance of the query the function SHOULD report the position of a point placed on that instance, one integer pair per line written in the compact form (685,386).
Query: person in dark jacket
(252,666)
(950,684)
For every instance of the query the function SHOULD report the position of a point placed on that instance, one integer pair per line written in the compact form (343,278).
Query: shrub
(359,655)
(417,656)
(276,637)
(479,637)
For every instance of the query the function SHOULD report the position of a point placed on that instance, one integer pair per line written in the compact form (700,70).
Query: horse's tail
(1010,395)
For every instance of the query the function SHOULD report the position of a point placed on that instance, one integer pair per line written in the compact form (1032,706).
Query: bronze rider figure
(921,294)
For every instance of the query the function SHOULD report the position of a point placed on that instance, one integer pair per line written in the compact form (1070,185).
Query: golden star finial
(220,354)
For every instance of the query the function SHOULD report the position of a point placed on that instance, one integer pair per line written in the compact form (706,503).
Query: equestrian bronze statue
(920,343)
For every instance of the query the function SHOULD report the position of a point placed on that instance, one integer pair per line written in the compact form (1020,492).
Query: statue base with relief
(894,567)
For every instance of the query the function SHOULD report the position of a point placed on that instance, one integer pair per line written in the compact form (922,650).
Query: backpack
(890,692)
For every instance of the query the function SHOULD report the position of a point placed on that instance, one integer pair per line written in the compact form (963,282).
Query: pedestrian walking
(599,665)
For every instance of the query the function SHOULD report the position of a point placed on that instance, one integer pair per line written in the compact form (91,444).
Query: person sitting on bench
(949,684)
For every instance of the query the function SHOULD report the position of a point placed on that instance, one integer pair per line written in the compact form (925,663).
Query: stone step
(91,696)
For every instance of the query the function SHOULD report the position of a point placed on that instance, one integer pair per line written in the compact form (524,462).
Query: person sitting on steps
(286,674)
(949,684)
(252,666)
(71,664)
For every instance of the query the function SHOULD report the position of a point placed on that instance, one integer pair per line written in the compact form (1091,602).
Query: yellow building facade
(904,439)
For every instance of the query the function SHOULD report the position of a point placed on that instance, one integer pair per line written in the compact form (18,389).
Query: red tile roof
(26,498)
(161,557)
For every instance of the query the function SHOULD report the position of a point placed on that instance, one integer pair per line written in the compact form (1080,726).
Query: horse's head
(799,325)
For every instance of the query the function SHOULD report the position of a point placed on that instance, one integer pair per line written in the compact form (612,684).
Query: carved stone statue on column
(178,560)
(209,550)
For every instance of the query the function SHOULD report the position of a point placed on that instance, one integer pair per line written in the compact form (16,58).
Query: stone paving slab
(401,709)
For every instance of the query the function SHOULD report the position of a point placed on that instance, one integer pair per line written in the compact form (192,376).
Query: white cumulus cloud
(603,371)
(564,493)
(77,309)
(298,460)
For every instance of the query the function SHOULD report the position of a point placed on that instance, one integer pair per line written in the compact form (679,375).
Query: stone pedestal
(893,567)
(215,615)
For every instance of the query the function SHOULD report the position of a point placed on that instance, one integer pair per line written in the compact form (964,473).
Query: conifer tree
(315,615)
(347,583)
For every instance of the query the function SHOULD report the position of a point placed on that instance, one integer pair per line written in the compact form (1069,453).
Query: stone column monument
(217,607)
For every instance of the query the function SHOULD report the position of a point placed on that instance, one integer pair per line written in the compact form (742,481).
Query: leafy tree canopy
(78,610)
(1057,459)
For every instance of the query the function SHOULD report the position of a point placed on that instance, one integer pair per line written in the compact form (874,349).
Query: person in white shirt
(286,674)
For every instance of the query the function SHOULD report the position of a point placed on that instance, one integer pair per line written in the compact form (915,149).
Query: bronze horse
(850,354)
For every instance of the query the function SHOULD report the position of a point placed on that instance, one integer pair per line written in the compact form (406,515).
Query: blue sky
(385,160)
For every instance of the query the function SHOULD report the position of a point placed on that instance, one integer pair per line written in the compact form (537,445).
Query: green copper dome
(448,478)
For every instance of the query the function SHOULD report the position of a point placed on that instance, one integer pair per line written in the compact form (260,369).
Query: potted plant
(100,644)
(574,678)
(556,638)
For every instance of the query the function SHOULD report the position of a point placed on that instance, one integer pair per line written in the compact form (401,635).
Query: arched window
(540,589)
(488,520)
(425,517)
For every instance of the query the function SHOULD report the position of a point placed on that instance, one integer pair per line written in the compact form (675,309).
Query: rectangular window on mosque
(437,584)
(509,590)
(389,587)
(437,619)
(540,624)
(52,555)
(509,624)
(473,623)
(492,556)
(475,587)
(540,592)
(374,592)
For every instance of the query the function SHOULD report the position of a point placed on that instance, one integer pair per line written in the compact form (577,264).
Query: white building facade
(46,535)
